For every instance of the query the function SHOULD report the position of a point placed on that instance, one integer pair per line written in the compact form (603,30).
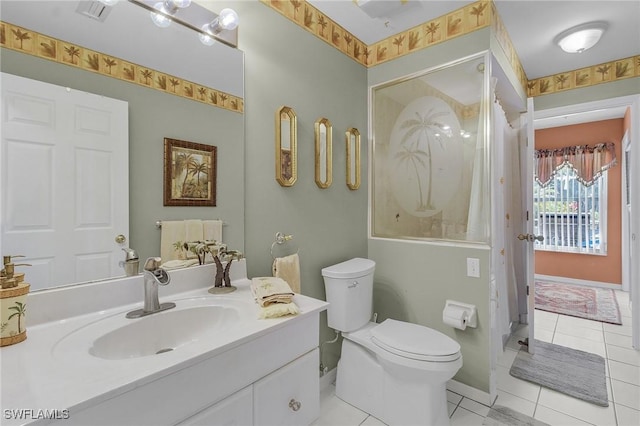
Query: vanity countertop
(49,371)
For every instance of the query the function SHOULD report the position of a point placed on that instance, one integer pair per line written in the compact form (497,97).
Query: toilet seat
(414,341)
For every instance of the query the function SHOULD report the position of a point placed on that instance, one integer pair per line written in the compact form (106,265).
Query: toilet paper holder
(470,310)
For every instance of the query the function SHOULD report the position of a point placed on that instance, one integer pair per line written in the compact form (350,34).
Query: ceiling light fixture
(167,7)
(581,37)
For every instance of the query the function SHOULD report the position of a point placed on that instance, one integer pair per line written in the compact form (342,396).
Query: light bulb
(109,2)
(228,19)
(158,18)
(205,39)
(181,3)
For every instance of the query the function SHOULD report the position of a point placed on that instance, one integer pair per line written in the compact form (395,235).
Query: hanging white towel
(172,231)
(212,230)
(193,230)
(288,268)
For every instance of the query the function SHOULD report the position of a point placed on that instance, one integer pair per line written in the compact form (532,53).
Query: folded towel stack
(274,297)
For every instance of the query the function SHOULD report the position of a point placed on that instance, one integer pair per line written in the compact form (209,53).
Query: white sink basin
(192,320)
(163,332)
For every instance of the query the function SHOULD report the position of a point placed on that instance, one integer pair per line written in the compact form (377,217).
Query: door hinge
(527,215)
(527,290)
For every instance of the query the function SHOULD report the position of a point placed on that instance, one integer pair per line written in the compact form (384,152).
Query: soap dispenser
(13,303)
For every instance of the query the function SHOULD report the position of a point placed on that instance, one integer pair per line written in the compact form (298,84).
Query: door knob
(120,239)
(530,237)
(295,405)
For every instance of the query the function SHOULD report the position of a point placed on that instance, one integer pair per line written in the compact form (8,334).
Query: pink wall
(582,266)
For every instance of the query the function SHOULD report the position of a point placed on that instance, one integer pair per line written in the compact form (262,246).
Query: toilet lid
(415,341)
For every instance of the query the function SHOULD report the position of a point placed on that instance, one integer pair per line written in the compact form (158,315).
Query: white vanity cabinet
(278,366)
(289,396)
(249,371)
(234,410)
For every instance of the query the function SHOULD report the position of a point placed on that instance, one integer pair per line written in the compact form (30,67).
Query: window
(571,216)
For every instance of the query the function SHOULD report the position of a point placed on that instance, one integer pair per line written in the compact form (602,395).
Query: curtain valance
(589,162)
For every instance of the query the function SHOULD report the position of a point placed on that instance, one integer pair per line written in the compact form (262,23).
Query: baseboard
(467,391)
(470,392)
(574,281)
(328,379)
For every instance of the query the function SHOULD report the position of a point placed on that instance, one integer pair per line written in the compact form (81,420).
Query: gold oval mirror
(286,147)
(323,153)
(353,158)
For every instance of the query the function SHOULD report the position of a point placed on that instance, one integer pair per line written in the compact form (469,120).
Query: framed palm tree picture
(189,173)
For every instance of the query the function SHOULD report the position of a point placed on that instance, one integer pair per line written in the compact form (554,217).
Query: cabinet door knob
(295,405)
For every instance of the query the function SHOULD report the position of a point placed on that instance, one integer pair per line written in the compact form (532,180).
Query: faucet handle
(152,264)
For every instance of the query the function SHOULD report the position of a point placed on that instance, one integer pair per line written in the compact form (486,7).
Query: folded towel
(212,230)
(270,290)
(288,268)
(278,310)
(178,264)
(172,232)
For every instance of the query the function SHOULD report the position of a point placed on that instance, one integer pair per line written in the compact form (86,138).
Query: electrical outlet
(473,267)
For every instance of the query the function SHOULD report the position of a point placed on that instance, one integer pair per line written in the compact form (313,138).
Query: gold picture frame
(189,173)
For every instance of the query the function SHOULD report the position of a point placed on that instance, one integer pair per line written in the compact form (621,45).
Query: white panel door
(64,180)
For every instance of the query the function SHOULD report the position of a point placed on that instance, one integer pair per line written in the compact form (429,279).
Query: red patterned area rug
(594,303)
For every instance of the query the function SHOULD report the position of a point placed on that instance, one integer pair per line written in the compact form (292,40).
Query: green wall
(285,65)
(413,279)
(153,116)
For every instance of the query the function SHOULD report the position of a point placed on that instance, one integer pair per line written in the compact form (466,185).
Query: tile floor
(610,341)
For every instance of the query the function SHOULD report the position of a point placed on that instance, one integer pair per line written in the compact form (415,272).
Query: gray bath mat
(576,373)
(503,416)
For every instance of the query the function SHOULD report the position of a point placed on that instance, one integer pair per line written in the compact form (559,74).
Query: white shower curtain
(503,178)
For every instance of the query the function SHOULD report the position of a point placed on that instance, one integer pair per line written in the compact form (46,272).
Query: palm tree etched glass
(425,153)
(425,130)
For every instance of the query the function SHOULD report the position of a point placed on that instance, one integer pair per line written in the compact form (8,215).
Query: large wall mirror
(128,34)
(286,146)
(352,140)
(323,132)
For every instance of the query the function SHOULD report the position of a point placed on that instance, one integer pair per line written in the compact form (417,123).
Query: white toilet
(395,371)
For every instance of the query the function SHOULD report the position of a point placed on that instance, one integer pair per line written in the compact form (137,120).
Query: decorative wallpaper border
(504,40)
(462,21)
(457,23)
(584,77)
(32,43)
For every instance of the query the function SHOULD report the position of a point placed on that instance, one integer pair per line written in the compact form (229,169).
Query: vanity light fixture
(167,7)
(580,38)
(109,2)
(209,26)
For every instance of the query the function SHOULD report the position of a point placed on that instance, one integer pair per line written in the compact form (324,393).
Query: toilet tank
(349,288)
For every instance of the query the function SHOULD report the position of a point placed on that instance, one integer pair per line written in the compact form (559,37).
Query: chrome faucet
(153,275)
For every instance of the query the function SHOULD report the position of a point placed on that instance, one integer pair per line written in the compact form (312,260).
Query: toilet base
(363,382)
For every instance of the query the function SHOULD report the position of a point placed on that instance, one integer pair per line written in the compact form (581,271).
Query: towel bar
(159,223)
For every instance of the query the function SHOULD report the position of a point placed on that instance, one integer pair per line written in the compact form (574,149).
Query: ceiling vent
(94,10)
(380,8)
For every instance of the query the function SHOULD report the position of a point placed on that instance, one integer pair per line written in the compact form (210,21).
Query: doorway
(590,112)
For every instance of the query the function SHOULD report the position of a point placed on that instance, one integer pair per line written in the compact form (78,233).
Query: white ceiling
(532,26)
